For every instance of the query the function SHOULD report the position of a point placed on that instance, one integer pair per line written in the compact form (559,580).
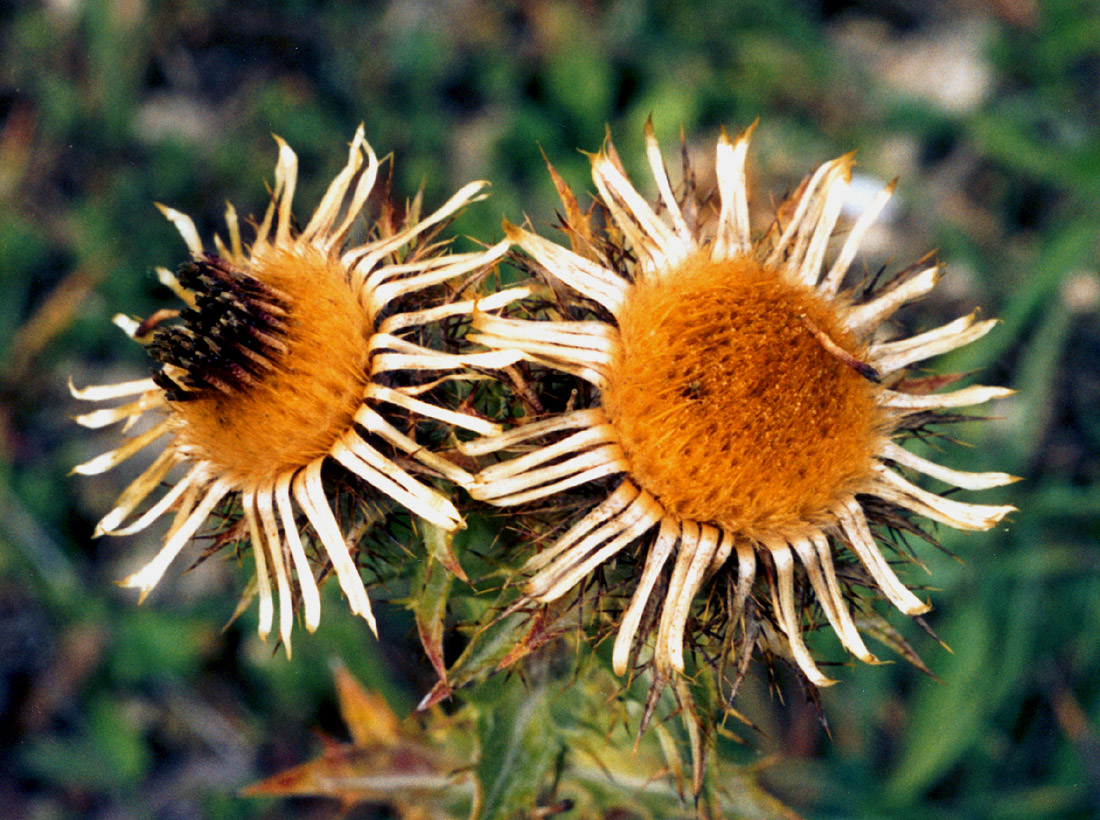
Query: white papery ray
(965,480)
(585,362)
(646,517)
(864,318)
(311,599)
(957,514)
(137,491)
(733,236)
(800,224)
(377,296)
(265,508)
(148,577)
(400,321)
(808,253)
(595,548)
(196,477)
(608,461)
(563,451)
(105,392)
(363,259)
(965,397)
(662,250)
(259,554)
(310,494)
(109,415)
(112,458)
(890,356)
(377,470)
(380,274)
(591,345)
(858,536)
(611,506)
(789,618)
(183,508)
(817,558)
(691,567)
(667,654)
(668,199)
(655,562)
(409,356)
(586,277)
(831,283)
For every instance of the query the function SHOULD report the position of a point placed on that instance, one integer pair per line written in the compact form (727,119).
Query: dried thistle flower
(283,358)
(742,402)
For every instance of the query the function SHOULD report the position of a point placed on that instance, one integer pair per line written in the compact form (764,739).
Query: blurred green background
(988,111)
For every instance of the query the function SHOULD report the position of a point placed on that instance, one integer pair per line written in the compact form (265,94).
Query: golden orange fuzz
(729,409)
(297,411)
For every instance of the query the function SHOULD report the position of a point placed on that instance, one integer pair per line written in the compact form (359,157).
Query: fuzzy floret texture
(308,399)
(729,409)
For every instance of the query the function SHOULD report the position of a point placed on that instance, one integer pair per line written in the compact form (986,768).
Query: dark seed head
(229,339)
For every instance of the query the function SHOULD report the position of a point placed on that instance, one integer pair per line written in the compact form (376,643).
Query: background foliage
(988,111)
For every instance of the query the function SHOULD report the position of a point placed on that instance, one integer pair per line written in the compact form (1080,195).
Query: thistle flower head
(745,410)
(289,353)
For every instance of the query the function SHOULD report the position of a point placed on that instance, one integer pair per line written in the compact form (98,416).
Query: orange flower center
(730,408)
(284,391)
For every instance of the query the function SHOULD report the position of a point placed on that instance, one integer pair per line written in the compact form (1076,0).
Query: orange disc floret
(729,407)
(295,411)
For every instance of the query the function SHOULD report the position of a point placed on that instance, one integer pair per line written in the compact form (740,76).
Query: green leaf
(516,750)
(109,753)
(947,718)
(431,589)
(1065,250)
(872,623)
(1036,377)
(489,647)
(440,545)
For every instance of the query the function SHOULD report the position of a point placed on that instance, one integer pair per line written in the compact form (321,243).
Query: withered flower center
(268,370)
(730,405)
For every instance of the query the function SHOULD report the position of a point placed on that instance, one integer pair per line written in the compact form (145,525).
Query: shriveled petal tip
(104,462)
(102,392)
(169,280)
(359,138)
(475,191)
(143,580)
(500,299)
(735,148)
(965,480)
(287,160)
(923,609)
(742,138)
(109,523)
(512,231)
(127,324)
(99,464)
(185,226)
(470,192)
(966,397)
(110,415)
